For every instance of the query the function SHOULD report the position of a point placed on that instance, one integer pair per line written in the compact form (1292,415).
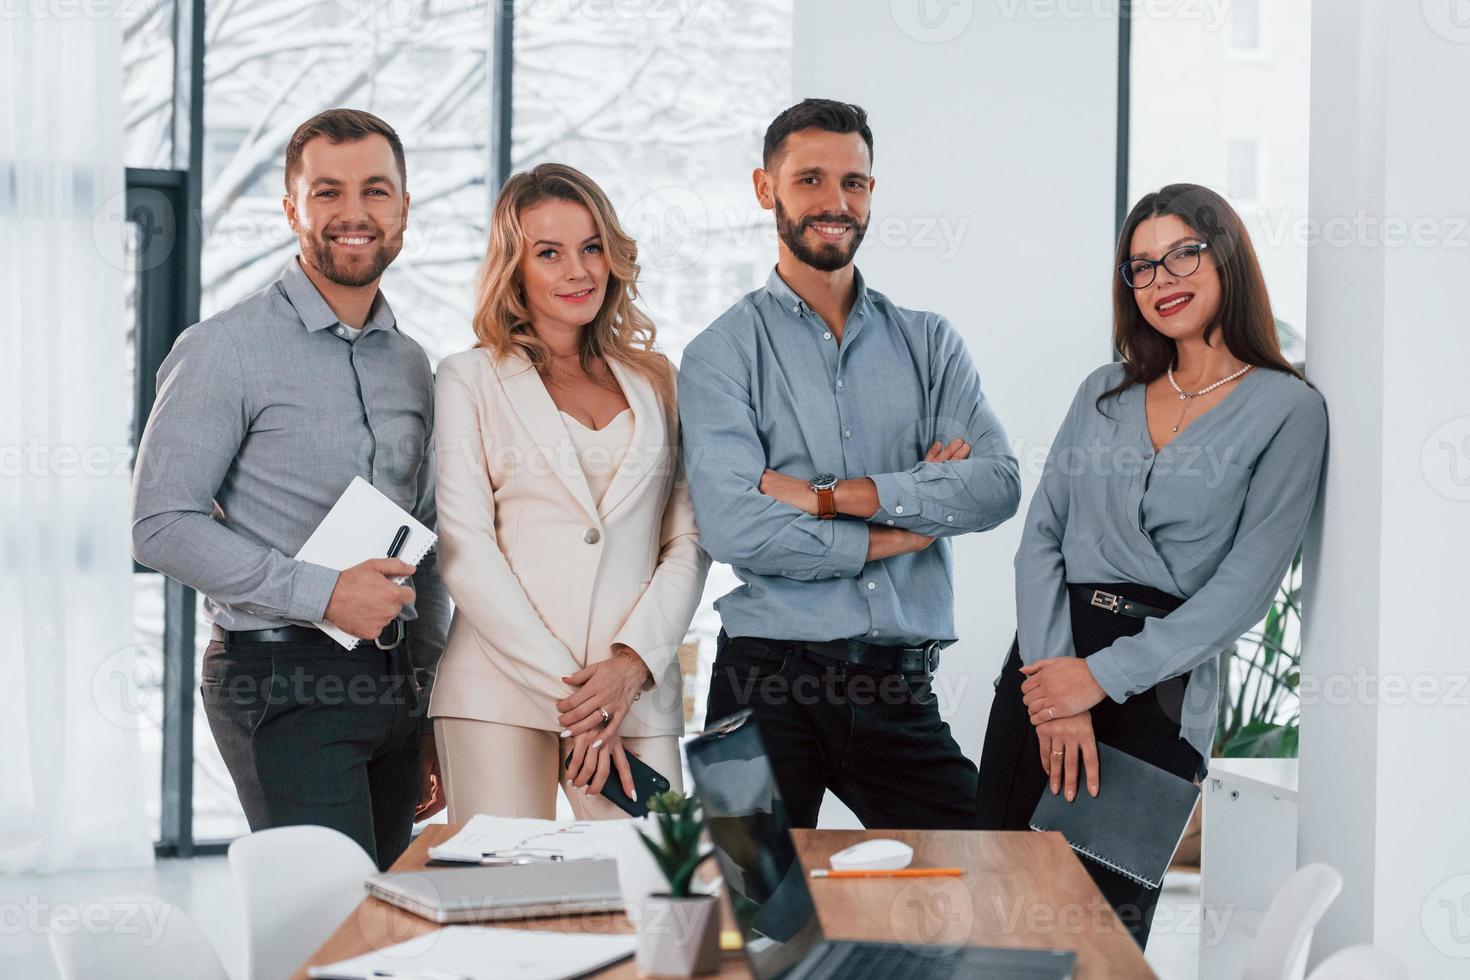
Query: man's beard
(325,261)
(826,257)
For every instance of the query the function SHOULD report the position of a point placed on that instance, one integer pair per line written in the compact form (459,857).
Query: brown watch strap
(826,503)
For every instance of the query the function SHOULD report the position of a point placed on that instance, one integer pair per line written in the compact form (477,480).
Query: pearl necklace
(1187,396)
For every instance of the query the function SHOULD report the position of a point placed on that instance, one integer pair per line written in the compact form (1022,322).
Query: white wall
(999,129)
(1383,791)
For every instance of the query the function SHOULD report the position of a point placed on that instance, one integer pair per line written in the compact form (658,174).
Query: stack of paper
(479,953)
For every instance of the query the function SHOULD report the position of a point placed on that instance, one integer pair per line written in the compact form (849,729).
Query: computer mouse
(879,854)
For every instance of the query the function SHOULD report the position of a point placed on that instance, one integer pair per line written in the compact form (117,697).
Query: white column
(995,133)
(1386,709)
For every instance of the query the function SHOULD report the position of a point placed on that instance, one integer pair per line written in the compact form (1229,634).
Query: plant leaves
(1263,740)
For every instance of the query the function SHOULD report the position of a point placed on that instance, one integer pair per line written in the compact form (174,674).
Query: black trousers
(1145,726)
(315,734)
(874,739)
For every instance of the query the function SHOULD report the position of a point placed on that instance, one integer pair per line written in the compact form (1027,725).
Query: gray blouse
(1215,517)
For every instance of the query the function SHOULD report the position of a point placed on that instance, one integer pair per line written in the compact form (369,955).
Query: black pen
(398,540)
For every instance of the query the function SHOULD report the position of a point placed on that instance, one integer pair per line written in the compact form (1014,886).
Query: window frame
(169,202)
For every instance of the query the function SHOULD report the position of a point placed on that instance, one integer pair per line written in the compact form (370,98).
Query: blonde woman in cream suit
(567,538)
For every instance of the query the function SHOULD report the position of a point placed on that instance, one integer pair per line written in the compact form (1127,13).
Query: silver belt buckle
(397,637)
(1105,600)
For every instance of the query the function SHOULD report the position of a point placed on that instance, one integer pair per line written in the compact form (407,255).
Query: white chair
(1360,963)
(296,884)
(139,937)
(1285,936)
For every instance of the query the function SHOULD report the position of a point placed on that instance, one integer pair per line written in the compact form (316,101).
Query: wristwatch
(824,485)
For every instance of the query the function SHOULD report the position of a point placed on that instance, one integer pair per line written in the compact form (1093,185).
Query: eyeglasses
(1181,261)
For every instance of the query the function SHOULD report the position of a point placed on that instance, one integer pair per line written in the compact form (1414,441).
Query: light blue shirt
(1215,517)
(769,385)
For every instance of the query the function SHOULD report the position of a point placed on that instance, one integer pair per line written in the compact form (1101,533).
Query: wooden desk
(1020,889)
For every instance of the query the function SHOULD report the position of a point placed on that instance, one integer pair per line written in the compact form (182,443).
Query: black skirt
(1145,726)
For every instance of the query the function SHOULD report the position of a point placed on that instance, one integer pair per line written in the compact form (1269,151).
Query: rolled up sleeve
(959,496)
(724,460)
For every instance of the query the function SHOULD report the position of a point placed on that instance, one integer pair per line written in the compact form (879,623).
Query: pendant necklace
(1187,396)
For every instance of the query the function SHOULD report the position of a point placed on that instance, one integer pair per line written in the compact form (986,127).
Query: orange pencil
(898,873)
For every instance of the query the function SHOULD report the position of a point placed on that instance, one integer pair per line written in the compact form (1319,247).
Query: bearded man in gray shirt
(265,413)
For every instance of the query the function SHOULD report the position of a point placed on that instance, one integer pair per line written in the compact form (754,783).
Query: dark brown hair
(825,114)
(342,126)
(1244,319)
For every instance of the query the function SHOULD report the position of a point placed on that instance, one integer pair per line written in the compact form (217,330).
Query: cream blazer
(544,581)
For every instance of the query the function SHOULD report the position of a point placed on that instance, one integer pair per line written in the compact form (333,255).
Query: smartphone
(646,781)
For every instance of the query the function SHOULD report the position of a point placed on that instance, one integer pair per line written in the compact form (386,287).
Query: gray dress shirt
(768,385)
(1215,517)
(265,413)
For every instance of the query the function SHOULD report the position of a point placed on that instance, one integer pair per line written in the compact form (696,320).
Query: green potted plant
(678,930)
(1259,682)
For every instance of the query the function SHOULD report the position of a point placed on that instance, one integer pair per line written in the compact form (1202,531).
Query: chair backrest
(1360,963)
(132,937)
(296,884)
(1285,936)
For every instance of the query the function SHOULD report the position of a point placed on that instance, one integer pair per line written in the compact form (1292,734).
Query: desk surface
(1019,889)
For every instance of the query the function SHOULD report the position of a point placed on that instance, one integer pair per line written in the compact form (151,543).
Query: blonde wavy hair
(620,331)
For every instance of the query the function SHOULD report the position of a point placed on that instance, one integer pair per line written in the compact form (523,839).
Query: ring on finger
(606,716)
(1051,714)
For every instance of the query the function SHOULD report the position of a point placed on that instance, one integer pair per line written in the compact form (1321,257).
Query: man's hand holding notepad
(362,526)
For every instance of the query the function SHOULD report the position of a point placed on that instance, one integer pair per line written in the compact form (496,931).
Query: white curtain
(70,768)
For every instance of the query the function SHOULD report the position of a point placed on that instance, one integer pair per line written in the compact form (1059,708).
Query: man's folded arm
(724,460)
(962,495)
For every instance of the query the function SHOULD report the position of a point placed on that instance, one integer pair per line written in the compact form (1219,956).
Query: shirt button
(826,335)
(847,433)
(839,382)
(949,518)
(872,586)
(592,535)
(898,509)
(890,523)
(874,633)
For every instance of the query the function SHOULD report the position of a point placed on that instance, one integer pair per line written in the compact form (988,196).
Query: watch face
(823,481)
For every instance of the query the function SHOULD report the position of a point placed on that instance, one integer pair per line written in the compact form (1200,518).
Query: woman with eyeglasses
(1172,502)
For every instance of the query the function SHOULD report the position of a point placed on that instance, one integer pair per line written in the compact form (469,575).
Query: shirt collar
(316,314)
(787,299)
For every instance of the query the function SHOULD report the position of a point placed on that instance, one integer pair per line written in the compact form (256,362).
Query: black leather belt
(1117,604)
(392,635)
(898,660)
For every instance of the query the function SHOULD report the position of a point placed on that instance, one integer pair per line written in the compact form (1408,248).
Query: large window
(663,104)
(425,68)
(1220,98)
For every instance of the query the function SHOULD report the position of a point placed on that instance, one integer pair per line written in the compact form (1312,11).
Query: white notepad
(360,526)
(481,953)
(570,840)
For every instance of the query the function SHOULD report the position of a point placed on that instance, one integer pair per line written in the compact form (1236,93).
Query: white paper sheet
(481,953)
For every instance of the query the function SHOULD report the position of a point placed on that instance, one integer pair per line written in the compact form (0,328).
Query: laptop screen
(747,824)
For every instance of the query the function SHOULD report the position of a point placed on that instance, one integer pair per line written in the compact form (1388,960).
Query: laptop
(768,892)
(520,891)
